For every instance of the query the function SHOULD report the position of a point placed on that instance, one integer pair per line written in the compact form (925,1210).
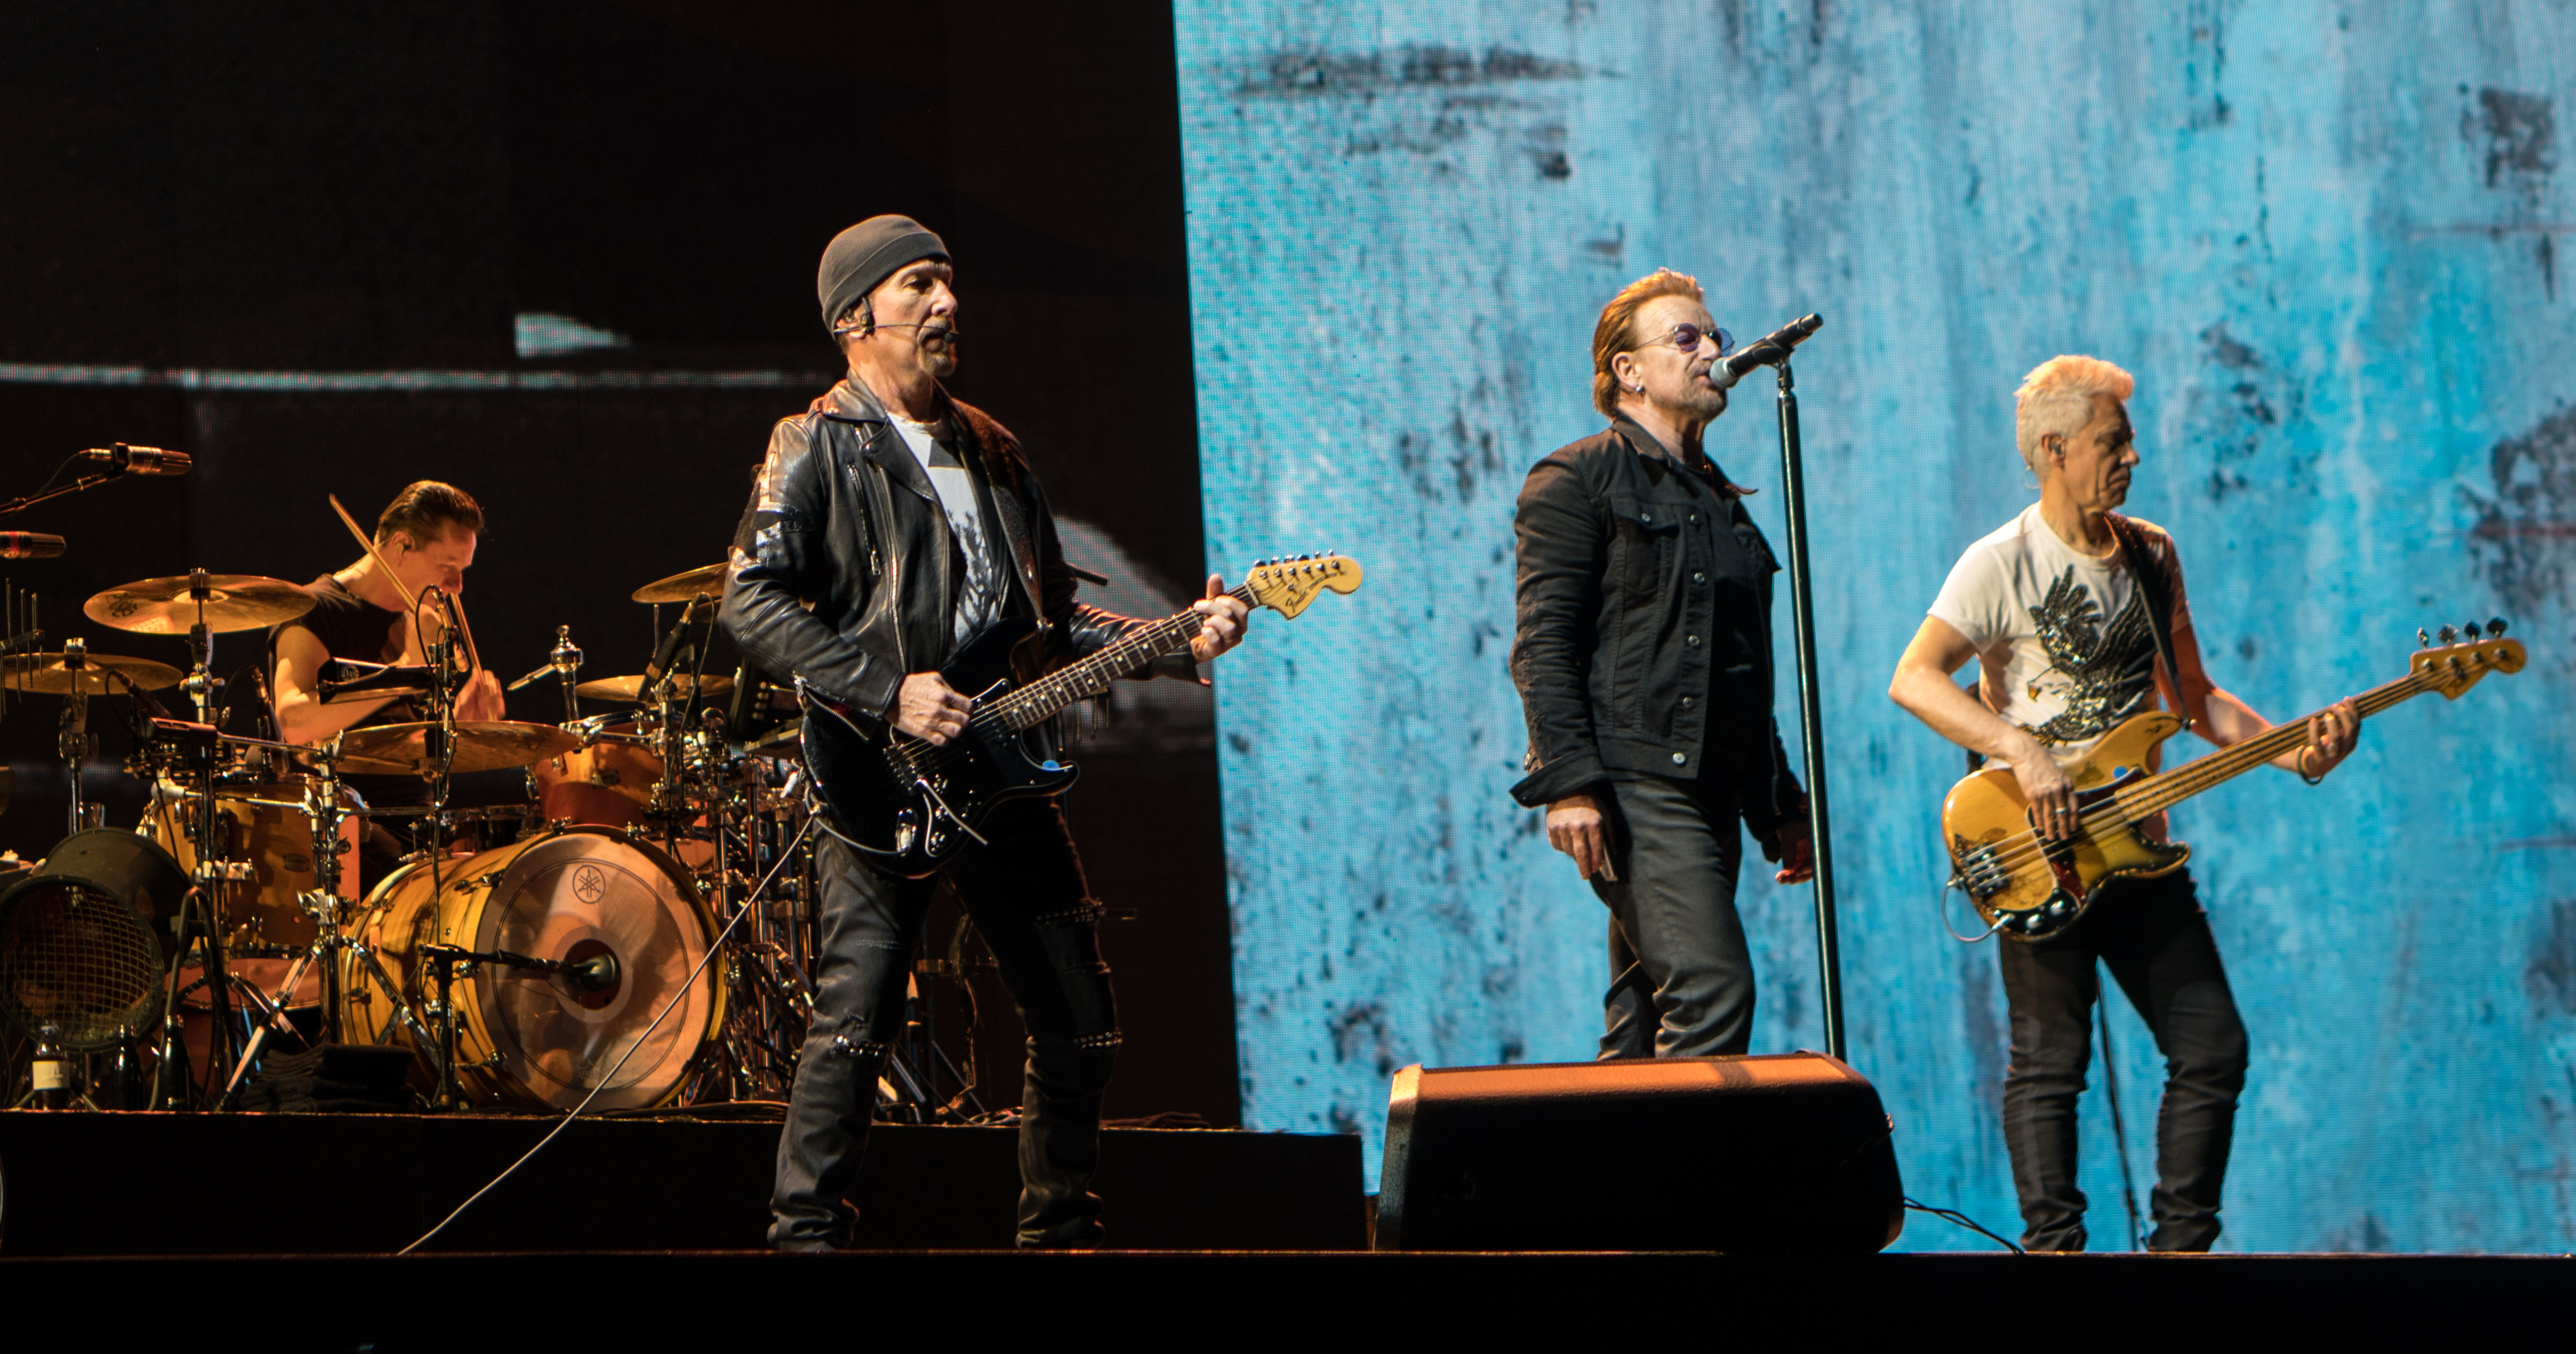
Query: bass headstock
(1288,585)
(2462,657)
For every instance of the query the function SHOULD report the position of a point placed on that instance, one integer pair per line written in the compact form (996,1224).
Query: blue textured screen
(2326,240)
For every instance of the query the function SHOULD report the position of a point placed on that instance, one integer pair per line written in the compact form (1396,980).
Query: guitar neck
(2159,792)
(1077,681)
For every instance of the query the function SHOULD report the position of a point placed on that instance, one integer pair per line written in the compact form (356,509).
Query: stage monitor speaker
(1785,1152)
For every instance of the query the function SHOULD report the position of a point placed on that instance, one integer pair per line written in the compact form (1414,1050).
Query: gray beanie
(866,254)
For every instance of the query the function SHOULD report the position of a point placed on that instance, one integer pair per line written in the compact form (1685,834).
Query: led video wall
(2326,239)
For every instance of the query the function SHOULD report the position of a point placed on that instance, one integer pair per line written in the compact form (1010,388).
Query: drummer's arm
(301,715)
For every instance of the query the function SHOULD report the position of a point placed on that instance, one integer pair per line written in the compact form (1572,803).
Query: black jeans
(2154,938)
(1026,893)
(1681,977)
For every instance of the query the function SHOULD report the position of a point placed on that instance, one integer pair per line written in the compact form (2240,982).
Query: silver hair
(2057,397)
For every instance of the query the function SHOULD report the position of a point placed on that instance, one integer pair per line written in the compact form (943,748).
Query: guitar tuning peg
(2422,640)
(2446,634)
(2469,631)
(2495,628)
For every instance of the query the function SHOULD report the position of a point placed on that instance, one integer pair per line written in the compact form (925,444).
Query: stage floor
(110,1184)
(1262,1299)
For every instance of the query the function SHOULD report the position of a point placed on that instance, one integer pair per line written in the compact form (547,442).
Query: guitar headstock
(2461,659)
(1287,585)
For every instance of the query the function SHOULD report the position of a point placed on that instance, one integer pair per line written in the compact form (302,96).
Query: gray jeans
(1026,893)
(1682,981)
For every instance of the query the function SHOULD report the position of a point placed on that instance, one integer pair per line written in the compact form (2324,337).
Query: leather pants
(1026,893)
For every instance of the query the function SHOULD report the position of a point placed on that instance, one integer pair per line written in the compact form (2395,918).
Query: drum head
(568,898)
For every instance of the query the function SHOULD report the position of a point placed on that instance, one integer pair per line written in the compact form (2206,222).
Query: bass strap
(2151,585)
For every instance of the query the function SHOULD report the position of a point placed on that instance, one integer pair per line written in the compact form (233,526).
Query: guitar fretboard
(1024,706)
(2162,791)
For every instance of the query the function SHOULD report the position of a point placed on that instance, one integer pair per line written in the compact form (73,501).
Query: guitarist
(2067,608)
(888,525)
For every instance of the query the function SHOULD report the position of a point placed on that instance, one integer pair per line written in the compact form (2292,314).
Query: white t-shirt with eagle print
(2062,638)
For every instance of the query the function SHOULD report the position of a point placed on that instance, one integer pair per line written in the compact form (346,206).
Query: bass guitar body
(2030,887)
(908,805)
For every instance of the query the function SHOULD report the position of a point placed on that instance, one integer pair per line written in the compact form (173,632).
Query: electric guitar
(911,804)
(2030,887)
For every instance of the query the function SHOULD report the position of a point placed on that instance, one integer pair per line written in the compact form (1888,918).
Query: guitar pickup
(1979,873)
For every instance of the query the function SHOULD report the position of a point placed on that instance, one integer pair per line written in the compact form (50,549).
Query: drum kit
(639,934)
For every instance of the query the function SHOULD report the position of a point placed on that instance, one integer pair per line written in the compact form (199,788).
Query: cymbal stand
(200,685)
(439,752)
(75,742)
(322,808)
(564,660)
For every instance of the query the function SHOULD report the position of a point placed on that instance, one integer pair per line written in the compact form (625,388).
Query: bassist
(889,524)
(2066,609)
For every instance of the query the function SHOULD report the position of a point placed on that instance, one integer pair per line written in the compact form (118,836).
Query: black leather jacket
(1625,562)
(846,574)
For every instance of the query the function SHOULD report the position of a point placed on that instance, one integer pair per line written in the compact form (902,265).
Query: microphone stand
(1829,964)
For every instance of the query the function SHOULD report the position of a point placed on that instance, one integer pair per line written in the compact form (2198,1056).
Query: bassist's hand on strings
(1227,619)
(929,709)
(2050,794)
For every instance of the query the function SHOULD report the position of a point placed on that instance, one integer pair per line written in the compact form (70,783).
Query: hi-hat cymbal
(631,687)
(709,580)
(162,606)
(481,745)
(101,674)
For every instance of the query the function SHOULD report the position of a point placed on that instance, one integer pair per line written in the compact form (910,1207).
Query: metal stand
(1811,721)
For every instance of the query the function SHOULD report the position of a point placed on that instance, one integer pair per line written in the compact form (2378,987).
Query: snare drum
(535,1039)
(608,780)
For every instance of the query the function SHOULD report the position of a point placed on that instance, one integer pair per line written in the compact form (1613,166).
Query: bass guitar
(910,804)
(2029,886)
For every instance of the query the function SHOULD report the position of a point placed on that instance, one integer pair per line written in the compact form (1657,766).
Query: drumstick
(473,659)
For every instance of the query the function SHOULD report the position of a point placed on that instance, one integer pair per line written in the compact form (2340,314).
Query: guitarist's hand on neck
(1227,619)
(929,709)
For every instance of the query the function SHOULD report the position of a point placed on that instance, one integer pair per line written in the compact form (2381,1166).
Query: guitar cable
(1941,909)
(1959,1219)
(714,947)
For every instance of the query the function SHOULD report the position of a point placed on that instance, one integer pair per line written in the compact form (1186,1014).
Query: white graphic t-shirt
(980,592)
(2062,638)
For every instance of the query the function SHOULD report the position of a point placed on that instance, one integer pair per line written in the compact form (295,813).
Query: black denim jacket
(846,574)
(1619,624)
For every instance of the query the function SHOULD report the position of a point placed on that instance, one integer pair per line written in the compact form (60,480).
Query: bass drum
(535,1039)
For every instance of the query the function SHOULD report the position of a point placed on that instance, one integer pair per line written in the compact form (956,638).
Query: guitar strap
(2151,585)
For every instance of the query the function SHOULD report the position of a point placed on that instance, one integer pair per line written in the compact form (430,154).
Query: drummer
(427,536)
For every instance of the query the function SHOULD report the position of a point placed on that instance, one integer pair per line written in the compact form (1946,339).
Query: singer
(889,525)
(1642,653)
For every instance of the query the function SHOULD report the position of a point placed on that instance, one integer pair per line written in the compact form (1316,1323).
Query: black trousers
(1026,893)
(2155,940)
(1681,976)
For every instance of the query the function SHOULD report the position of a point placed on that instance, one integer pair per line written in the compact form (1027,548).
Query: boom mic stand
(1811,726)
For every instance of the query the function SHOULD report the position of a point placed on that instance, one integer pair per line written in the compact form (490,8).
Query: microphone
(141,460)
(1765,351)
(29,545)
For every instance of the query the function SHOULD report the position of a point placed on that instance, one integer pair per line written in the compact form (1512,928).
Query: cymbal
(631,687)
(102,674)
(709,580)
(161,606)
(481,745)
